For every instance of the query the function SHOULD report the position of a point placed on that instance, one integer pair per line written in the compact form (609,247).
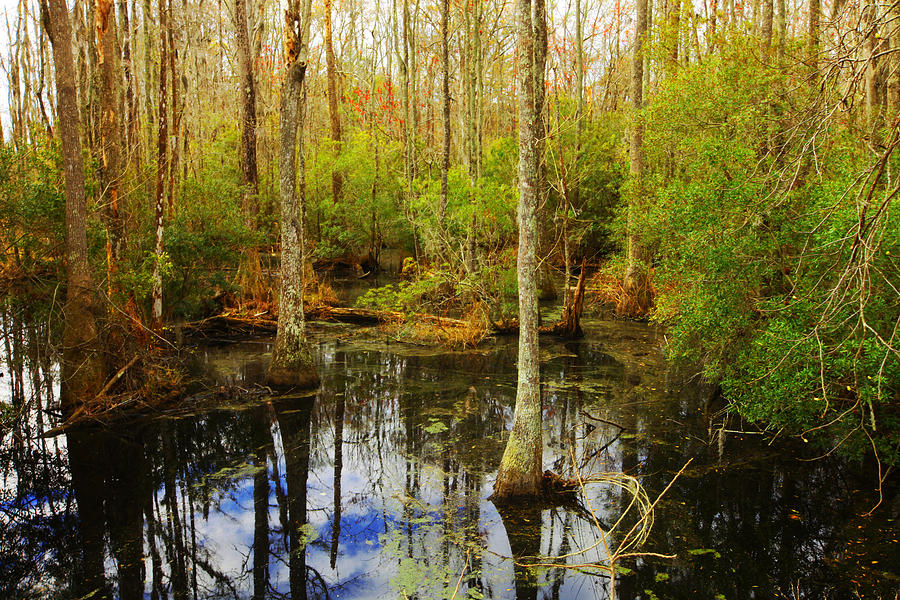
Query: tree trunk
(445,106)
(111,133)
(815,10)
(767,20)
(337,182)
(870,18)
(520,469)
(83,369)
(250,277)
(292,363)
(162,167)
(636,299)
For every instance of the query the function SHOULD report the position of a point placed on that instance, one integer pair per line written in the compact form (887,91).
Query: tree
(162,167)
(637,298)
(292,363)
(250,271)
(111,132)
(337,182)
(83,368)
(520,469)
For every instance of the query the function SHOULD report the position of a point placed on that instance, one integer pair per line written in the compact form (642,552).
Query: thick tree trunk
(250,270)
(636,300)
(520,469)
(83,369)
(292,363)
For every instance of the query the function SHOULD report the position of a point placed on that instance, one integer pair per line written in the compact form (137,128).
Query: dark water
(377,486)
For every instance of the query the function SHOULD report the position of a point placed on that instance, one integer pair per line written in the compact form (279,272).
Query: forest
(723,171)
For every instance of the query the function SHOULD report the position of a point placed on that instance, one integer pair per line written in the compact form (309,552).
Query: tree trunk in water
(83,368)
(520,469)
(111,133)
(636,299)
(250,270)
(292,363)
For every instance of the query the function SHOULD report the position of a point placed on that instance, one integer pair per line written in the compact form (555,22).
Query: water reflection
(377,487)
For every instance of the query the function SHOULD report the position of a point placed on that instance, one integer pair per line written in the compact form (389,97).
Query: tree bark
(162,168)
(83,369)
(250,270)
(815,12)
(520,469)
(111,133)
(292,363)
(636,300)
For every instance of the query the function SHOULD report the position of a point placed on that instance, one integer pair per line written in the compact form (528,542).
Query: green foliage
(32,204)
(361,218)
(758,273)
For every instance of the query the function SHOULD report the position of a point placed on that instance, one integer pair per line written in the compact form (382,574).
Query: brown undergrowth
(608,293)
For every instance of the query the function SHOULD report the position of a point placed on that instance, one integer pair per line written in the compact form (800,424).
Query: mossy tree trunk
(83,367)
(292,364)
(520,469)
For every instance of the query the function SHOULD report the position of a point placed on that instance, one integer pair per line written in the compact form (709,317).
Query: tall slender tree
(111,132)
(337,180)
(636,299)
(162,168)
(292,363)
(250,269)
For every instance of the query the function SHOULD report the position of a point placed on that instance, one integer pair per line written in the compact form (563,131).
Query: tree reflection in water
(377,486)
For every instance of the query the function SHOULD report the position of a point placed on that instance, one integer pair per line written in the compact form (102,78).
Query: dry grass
(607,289)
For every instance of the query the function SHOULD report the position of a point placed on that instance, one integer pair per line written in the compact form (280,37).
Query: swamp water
(377,486)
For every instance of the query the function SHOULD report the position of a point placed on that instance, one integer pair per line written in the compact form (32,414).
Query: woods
(726,171)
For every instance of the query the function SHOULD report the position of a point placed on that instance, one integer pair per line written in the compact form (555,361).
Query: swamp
(421,299)
(377,484)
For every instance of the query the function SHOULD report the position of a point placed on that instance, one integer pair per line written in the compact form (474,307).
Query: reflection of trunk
(338,467)
(126,523)
(262,442)
(156,587)
(523,528)
(87,484)
(175,546)
(294,421)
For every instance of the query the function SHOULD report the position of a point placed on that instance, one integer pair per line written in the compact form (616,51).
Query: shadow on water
(377,486)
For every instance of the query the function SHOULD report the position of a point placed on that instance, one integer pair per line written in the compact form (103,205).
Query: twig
(459,581)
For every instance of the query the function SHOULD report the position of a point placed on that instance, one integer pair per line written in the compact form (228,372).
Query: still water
(377,486)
